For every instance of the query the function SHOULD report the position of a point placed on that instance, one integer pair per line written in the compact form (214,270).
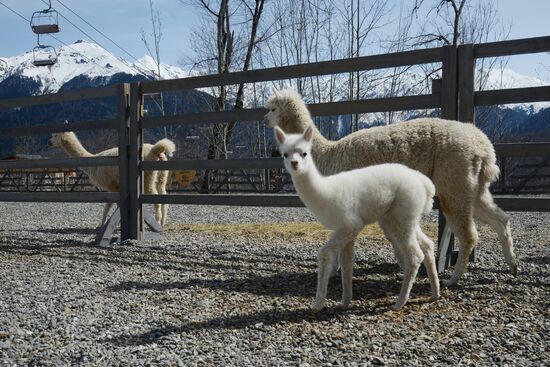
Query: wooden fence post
(466,108)
(466,83)
(123,94)
(135,176)
(449,111)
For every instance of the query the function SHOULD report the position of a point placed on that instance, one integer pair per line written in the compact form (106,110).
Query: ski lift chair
(44,55)
(45,21)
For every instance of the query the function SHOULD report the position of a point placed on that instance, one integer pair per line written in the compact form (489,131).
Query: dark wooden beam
(317,109)
(76,95)
(9,132)
(382,61)
(59,163)
(60,197)
(513,47)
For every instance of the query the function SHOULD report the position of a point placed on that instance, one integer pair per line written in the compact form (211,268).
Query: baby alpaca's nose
(294,164)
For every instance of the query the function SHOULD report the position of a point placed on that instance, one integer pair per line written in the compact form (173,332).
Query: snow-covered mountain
(79,59)
(507,78)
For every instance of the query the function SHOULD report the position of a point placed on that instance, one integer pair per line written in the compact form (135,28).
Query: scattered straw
(284,230)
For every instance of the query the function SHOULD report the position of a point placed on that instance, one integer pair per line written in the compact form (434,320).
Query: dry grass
(284,230)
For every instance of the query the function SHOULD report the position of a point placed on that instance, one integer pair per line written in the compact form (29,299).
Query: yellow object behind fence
(185,178)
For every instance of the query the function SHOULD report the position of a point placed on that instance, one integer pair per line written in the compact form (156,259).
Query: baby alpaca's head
(296,150)
(287,109)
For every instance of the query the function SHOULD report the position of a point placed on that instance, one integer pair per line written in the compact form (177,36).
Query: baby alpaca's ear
(308,134)
(280,135)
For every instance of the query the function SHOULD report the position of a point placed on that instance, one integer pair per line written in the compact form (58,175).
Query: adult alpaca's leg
(488,212)
(161,183)
(327,253)
(106,209)
(459,214)
(427,246)
(346,263)
(150,187)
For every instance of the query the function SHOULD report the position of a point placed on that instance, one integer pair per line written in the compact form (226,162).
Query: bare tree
(152,41)
(236,28)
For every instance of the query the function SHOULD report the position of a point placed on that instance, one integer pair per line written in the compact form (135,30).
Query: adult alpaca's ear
(280,135)
(275,92)
(308,134)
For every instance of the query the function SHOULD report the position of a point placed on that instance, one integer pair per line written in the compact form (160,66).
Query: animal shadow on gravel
(299,284)
(257,320)
(68,230)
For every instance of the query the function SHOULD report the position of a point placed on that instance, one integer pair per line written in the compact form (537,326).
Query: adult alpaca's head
(69,142)
(296,150)
(62,139)
(287,109)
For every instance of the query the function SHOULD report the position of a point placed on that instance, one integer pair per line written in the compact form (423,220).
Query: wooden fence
(454,94)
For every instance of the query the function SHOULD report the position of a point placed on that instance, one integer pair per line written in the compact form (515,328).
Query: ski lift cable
(139,71)
(54,37)
(66,45)
(103,34)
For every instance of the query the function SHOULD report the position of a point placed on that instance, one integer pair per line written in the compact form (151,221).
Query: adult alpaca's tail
(164,146)
(488,172)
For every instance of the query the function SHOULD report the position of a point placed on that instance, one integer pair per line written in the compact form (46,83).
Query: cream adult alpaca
(106,178)
(391,194)
(457,157)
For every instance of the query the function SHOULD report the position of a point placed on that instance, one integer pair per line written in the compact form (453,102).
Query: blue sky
(121,20)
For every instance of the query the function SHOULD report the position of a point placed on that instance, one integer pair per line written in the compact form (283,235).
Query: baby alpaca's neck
(310,185)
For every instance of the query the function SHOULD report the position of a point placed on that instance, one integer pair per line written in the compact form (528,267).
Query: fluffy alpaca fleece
(457,157)
(106,178)
(391,194)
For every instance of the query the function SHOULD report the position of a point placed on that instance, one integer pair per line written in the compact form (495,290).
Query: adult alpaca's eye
(272,110)
(304,155)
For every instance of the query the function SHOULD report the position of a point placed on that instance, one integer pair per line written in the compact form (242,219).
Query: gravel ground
(211,298)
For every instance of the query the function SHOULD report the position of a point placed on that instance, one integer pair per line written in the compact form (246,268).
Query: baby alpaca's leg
(412,256)
(346,263)
(327,254)
(390,230)
(427,247)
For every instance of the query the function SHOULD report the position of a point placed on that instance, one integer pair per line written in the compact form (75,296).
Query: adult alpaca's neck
(72,146)
(296,120)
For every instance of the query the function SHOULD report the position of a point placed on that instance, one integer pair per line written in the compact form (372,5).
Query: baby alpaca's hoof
(514,269)
(434,297)
(316,307)
(344,305)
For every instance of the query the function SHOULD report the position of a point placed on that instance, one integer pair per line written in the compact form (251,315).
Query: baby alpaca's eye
(285,155)
(304,154)
(272,110)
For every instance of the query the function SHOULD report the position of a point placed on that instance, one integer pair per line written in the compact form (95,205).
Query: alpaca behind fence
(106,178)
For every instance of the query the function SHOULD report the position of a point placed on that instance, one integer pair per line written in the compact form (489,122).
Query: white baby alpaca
(392,194)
